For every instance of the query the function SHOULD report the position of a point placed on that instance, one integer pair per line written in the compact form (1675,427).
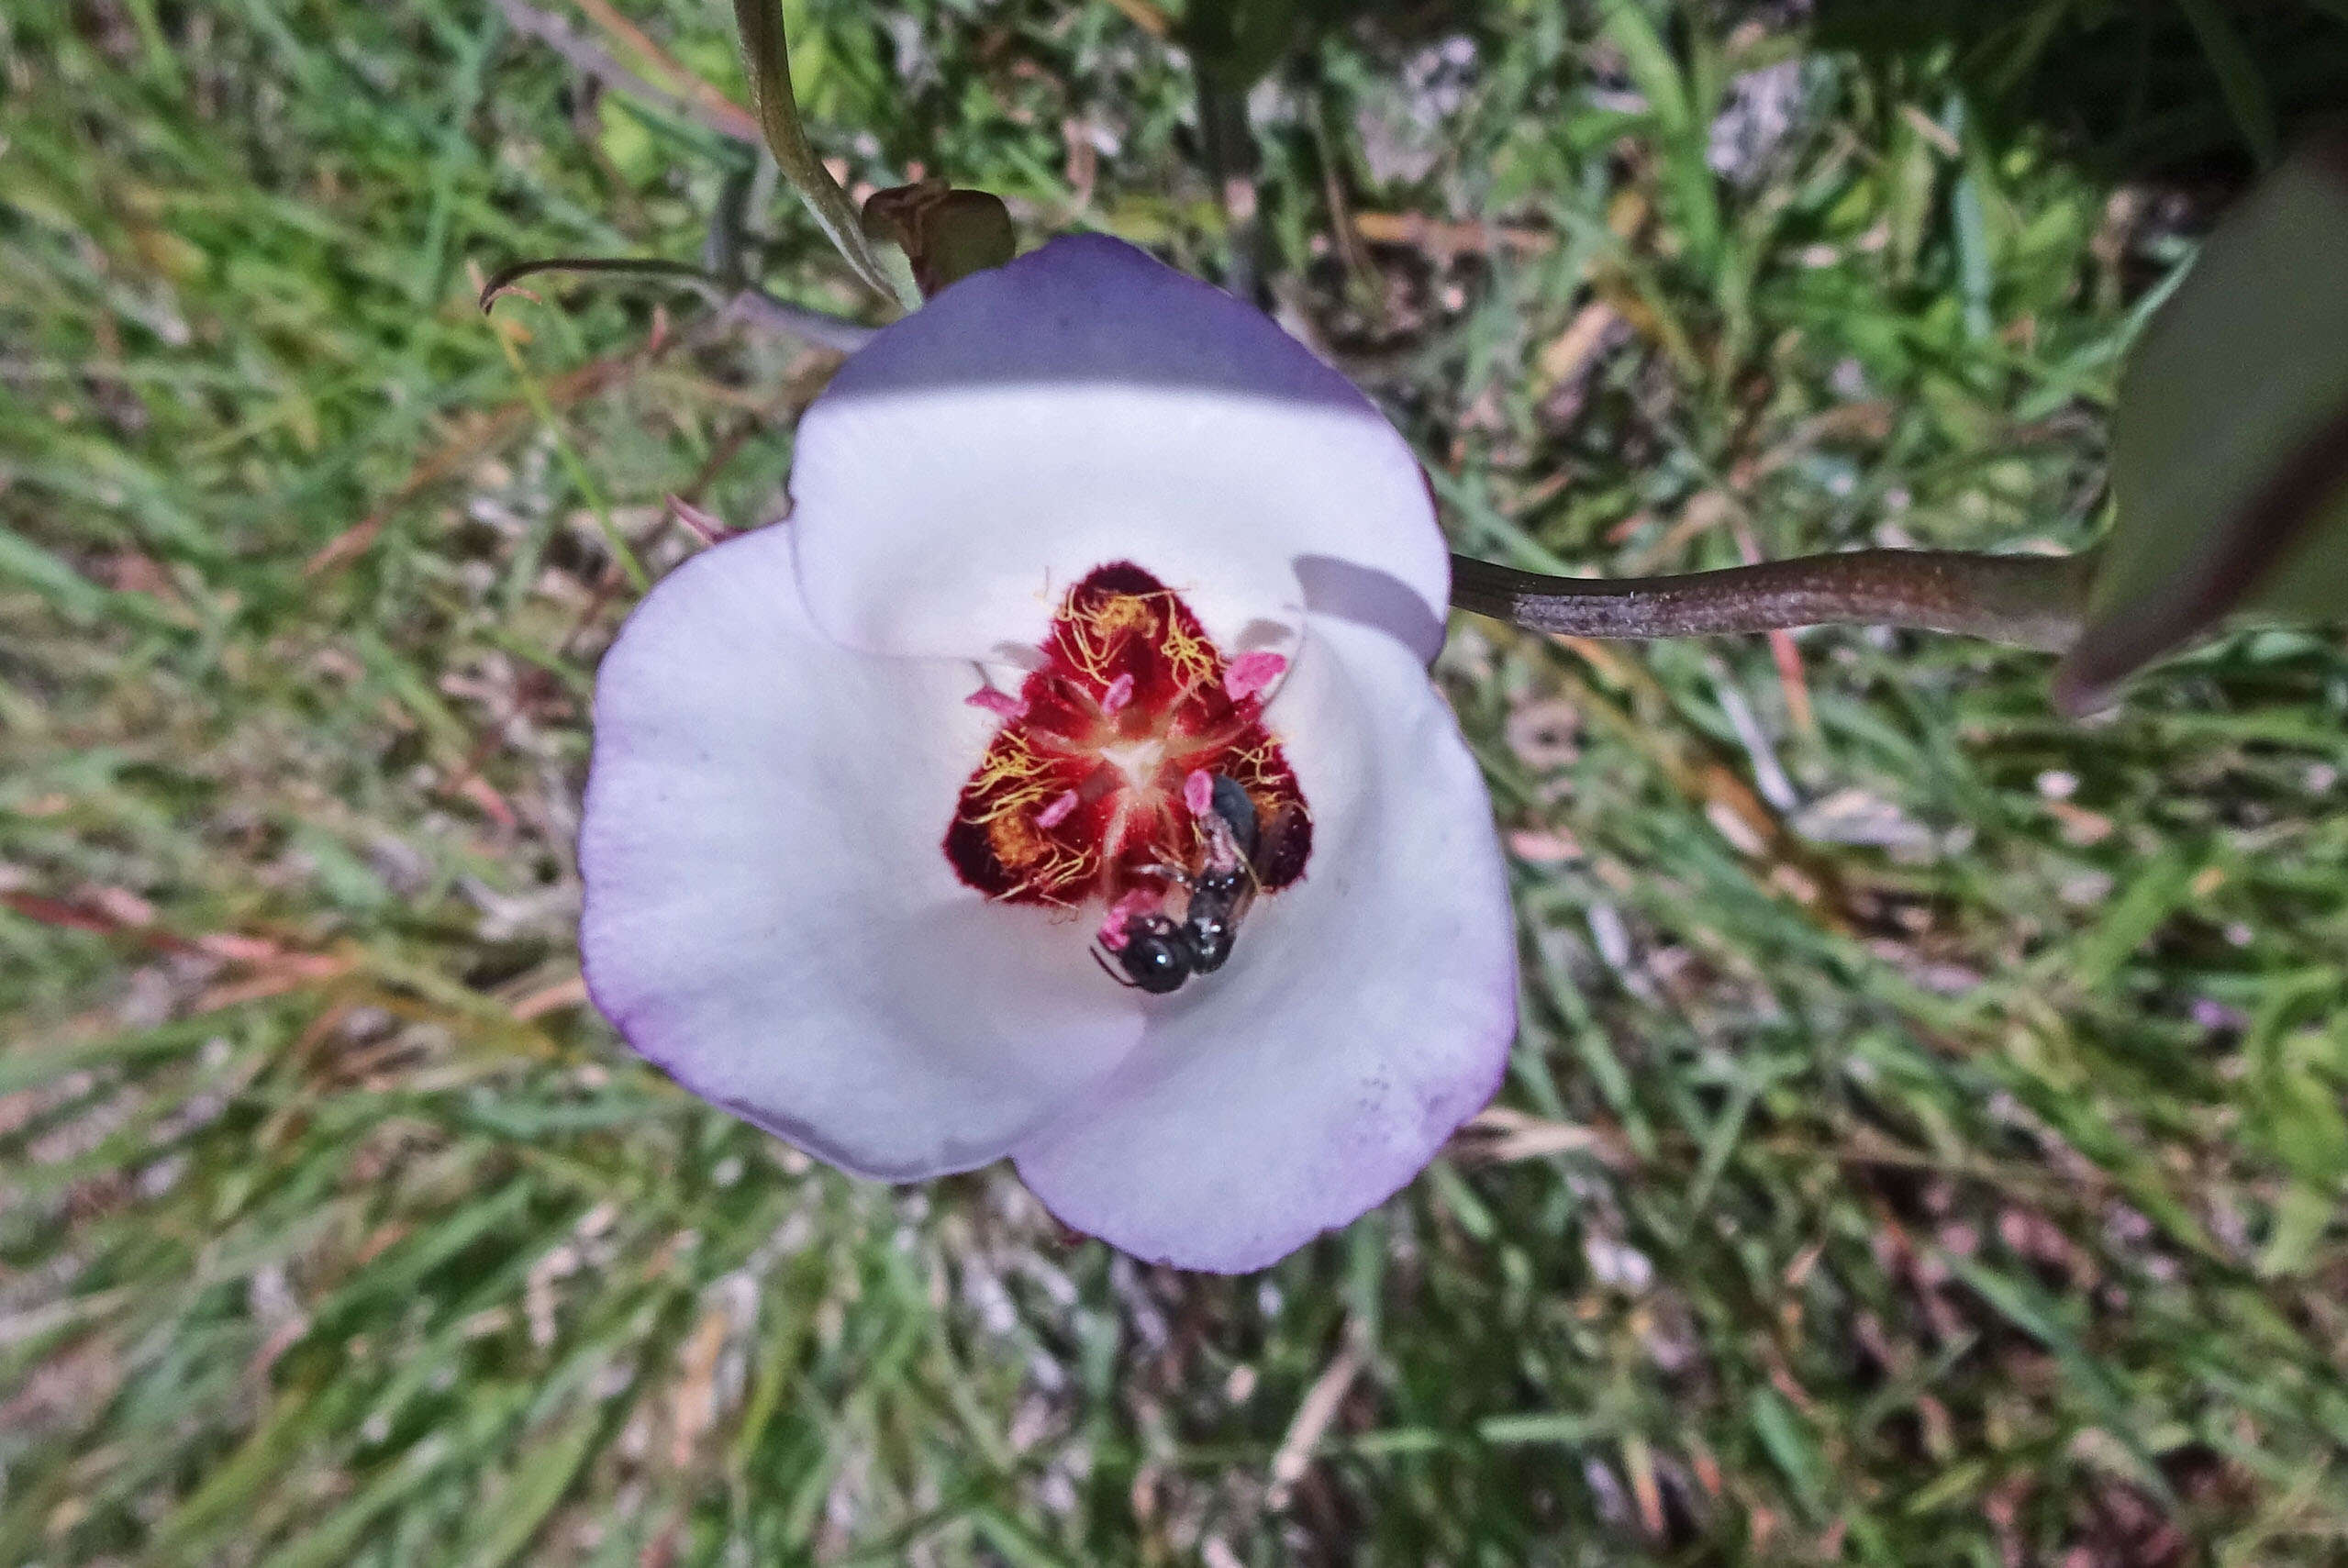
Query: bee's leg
(1122,980)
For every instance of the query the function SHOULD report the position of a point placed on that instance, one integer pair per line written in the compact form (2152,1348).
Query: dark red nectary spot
(1080,794)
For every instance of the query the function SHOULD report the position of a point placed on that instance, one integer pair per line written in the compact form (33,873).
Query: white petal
(1366,1011)
(770,915)
(1033,422)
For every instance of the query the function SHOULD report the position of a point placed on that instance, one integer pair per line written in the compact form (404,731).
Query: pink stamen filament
(1119,692)
(1052,816)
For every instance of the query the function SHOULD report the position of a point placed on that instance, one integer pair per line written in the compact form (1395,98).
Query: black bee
(1159,953)
(1224,885)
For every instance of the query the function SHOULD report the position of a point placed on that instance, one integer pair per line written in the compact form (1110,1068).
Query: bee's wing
(1235,808)
(1281,848)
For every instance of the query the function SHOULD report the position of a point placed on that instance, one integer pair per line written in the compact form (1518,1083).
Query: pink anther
(1198,792)
(1052,816)
(1251,672)
(1129,907)
(1002,704)
(1119,692)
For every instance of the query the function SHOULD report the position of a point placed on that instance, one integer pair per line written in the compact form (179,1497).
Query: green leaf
(1788,1444)
(2238,77)
(533,1492)
(2230,442)
(1239,41)
(74,595)
(2130,921)
(2302,1214)
(627,142)
(2026,1306)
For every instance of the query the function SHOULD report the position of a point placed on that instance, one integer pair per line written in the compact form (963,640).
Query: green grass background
(1926,1141)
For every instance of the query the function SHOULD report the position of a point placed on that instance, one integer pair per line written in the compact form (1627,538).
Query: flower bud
(945,234)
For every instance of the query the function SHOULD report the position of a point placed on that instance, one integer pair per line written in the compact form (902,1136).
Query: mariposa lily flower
(1063,780)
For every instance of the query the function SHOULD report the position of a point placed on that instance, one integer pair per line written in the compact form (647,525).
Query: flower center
(1099,783)
(1137,760)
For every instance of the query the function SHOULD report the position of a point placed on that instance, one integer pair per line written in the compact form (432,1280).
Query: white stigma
(1137,760)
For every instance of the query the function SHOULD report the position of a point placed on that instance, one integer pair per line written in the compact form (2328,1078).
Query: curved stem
(2031,601)
(768,53)
(507,280)
(762,310)
(745,301)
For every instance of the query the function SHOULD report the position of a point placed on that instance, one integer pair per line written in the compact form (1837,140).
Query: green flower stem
(768,53)
(1227,146)
(743,302)
(2030,601)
